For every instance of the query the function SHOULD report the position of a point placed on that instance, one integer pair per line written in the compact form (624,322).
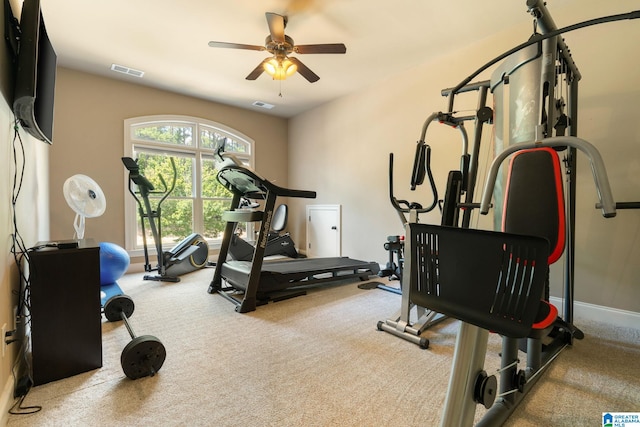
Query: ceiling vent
(263,105)
(126,70)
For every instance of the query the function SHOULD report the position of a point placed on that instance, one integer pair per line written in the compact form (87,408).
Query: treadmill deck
(282,274)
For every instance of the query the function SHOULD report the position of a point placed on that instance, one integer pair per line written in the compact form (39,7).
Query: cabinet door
(323,231)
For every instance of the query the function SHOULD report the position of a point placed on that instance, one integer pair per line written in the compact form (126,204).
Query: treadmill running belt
(278,275)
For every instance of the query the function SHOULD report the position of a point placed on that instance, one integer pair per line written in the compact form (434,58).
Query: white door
(323,231)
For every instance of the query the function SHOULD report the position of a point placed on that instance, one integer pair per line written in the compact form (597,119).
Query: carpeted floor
(316,360)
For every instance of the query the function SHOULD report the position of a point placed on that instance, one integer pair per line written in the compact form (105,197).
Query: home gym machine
(459,183)
(256,282)
(499,280)
(190,254)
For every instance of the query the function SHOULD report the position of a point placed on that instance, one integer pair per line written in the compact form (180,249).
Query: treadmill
(251,283)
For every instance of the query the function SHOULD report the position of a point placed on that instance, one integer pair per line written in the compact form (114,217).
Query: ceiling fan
(281,65)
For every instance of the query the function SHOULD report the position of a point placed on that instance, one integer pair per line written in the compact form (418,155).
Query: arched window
(196,203)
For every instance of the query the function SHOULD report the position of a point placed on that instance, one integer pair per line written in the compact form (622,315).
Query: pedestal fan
(86,199)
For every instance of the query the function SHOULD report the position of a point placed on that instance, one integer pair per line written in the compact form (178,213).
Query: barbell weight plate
(142,357)
(117,304)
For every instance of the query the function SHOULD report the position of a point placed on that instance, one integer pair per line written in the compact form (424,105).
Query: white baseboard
(135,268)
(599,313)
(6,400)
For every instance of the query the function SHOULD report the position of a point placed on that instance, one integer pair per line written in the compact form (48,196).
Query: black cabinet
(66,324)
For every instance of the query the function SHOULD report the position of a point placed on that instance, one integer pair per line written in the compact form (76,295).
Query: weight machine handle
(622,205)
(600,178)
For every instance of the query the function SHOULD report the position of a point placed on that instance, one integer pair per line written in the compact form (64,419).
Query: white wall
(341,149)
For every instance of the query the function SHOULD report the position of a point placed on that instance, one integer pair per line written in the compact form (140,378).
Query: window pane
(176,214)
(157,168)
(185,176)
(210,186)
(177,221)
(213,223)
(168,133)
(210,138)
(236,146)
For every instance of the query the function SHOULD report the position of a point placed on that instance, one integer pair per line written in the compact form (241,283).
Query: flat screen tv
(35,74)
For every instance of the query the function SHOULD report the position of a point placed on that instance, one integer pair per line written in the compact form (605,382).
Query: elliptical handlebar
(421,168)
(173,182)
(145,187)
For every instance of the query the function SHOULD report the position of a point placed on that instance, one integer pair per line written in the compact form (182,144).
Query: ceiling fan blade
(257,71)
(276,26)
(305,71)
(236,46)
(321,48)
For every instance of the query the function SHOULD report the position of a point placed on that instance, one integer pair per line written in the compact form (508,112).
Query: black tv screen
(35,74)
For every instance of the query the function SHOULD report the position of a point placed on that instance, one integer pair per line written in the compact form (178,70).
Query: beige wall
(341,149)
(31,211)
(88,139)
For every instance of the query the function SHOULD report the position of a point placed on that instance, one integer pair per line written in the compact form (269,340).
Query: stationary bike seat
(279,221)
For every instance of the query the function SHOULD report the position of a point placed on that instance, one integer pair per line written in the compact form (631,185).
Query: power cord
(18,248)
(22,388)
(20,255)
(18,409)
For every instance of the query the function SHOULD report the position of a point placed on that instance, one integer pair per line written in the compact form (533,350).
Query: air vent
(263,105)
(126,70)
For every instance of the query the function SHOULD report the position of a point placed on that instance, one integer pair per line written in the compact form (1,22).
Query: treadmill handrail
(260,184)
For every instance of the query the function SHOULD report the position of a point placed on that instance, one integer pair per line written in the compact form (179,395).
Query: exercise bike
(278,243)
(191,254)
(395,248)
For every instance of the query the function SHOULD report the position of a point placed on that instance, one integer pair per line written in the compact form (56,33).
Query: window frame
(132,216)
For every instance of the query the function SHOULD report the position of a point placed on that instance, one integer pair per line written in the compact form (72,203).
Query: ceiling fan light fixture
(280,68)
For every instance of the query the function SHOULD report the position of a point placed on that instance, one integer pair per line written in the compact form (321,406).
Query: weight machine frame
(469,384)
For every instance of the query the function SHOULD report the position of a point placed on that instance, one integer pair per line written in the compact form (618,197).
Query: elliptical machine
(191,254)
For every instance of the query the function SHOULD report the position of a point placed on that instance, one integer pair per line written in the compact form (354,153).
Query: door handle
(334,228)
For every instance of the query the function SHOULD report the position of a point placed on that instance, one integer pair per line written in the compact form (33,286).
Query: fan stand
(78,225)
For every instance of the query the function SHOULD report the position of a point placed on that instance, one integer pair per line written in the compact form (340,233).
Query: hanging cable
(18,248)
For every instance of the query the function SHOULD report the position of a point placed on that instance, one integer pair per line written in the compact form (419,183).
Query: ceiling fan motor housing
(279,49)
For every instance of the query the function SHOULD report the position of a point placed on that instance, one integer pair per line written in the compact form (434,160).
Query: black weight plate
(142,357)
(117,304)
